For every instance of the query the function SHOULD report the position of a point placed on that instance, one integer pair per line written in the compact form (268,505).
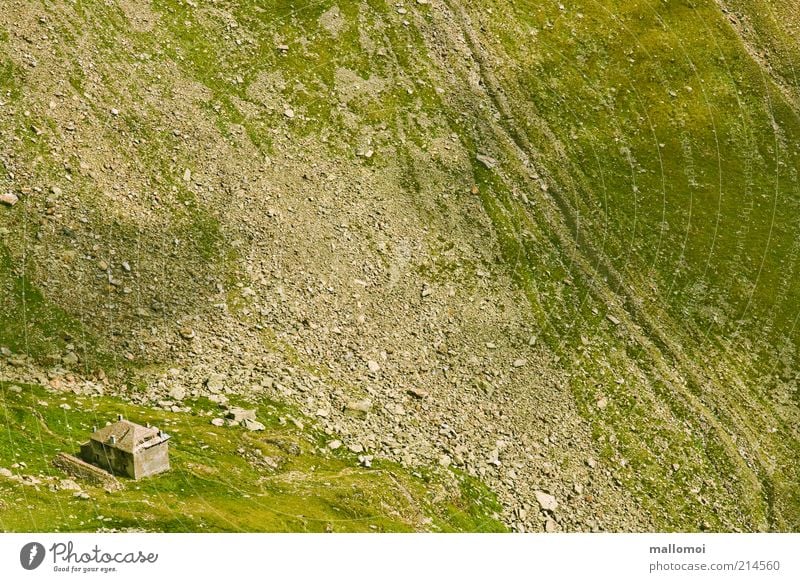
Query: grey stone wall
(109,458)
(152,461)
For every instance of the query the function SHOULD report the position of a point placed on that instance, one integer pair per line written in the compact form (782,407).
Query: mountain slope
(550,245)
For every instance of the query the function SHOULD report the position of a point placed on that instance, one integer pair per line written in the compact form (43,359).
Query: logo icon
(31,555)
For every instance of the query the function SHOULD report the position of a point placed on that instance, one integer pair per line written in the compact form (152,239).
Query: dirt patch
(333,21)
(267,89)
(349,85)
(140,14)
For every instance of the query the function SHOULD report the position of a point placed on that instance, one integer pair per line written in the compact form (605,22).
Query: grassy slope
(674,161)
(770,30)
(222,479)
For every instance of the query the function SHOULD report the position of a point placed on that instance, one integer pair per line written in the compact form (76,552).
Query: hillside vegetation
(536,260)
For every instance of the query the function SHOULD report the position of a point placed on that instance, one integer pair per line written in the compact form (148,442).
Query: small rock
(602,403)
(373,366)
(359,408)
(215,383)
(177,393)
(487,161)
(186,333)
(70,359)
(550,525)
(220,399)
(9,199)
(289,113)
(355,448)
(546,501)
(237,414)
(365,460)
(612,319)
(396,409)
(217,422)
(427,291)
(591,463)
(252,425)
(82,495)
(487,387)
(114,112)
(187,175)
(418,393)
(519,362)
(64,406)
(68,485)
(333,445)
(6,473)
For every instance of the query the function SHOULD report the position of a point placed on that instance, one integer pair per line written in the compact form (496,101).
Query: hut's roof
(129,436)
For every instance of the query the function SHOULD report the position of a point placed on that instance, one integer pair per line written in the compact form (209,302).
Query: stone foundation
(82,470)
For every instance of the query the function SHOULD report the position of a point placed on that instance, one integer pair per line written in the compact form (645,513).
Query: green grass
(669,157)
(222,479)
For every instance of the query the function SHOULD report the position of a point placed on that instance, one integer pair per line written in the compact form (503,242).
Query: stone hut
(129,449)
